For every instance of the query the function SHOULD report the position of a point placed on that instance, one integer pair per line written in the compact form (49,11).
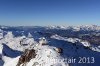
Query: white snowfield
(74,40)
(46,48)
(11,62)
(46,56)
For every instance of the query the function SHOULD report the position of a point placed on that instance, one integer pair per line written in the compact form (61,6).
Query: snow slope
(14,41)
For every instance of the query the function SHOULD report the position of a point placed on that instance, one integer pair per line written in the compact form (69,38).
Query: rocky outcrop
(26,57)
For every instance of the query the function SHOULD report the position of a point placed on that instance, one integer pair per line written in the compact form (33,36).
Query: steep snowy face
(19,43)
(78,42)
(51,45)
(29,35)
(45,56)
(72,40)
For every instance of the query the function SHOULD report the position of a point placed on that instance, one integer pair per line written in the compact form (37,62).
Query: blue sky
(49,12)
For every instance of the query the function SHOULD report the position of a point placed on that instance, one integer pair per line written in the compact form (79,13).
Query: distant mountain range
(35,45)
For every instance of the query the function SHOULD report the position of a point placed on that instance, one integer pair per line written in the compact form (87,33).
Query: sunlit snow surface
(14,41)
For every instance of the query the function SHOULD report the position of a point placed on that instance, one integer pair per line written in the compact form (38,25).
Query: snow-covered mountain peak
(76,28)
(49,43)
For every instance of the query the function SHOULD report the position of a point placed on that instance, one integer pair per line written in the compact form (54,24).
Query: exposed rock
(59,50)
(26,56)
